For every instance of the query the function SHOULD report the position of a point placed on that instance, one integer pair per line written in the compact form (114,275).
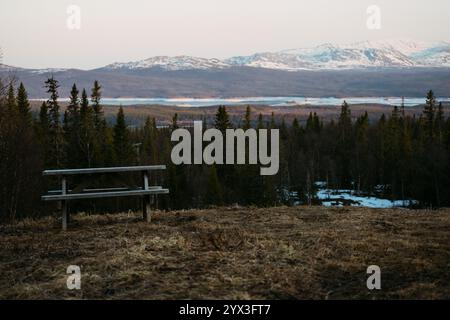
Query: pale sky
(33,33)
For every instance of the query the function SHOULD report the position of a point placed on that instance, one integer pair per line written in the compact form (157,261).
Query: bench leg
(65,215)
(146,209)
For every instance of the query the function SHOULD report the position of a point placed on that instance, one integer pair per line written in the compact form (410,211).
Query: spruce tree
(222,121)
(440,122)
(149,141)
(429,113)
(55,129)
(96,95)
(175,122)
(73,130)
(87,134)
(43,118)
(11,100)
(123,149)
(272,121)
(52,103)
(23,105)
(260,124)
(74,105)
(344,145)
(309,122)
(247,118)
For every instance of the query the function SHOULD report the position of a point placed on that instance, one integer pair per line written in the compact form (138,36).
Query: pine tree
(344,145)
(295,124)
(149,141)
(175,122)
(43,118)
(102,139)
(260,124)
(345,120)
(272,121)
(283,130)
(247,118)
(55,129)
(87,134)
(317,123)
(96,95)
(23,105)
(362,152)
(11,101)
(19,156)
(52,103)
(73,130)
(123,149)
(310,122)
(429,113)
(440,122)
(222,119)
(74,105)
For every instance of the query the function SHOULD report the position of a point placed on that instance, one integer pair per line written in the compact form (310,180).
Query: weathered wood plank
(103,189)
(112,194)
(101,170)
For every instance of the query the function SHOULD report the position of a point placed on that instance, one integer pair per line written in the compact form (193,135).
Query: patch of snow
(331,197)
(172,63)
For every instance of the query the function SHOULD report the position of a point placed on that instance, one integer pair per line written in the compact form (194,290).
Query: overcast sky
(34,33)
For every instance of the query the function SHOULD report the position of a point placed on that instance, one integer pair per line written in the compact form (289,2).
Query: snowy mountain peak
(364,54)
(398,53)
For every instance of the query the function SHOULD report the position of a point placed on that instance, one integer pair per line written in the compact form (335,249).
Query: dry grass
(232,253)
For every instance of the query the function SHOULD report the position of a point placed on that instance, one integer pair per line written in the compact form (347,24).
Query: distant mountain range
(370,68)
(367,54)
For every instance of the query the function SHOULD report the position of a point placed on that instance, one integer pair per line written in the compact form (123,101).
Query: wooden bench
(65,194)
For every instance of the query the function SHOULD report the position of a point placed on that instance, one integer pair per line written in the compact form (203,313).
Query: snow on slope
(366,54)
(172,63)
(359,55)
(7,68)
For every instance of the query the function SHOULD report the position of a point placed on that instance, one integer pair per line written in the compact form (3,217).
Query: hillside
(233,253)
(241,81)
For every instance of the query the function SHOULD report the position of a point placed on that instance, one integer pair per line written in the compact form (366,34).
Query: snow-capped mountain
(172,63)
(360,55)
(380,68)
(7,68)
(367,54)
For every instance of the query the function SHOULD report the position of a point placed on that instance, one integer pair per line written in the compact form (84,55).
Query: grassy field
(232,253)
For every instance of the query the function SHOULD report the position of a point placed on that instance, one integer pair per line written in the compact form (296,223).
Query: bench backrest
(63,172)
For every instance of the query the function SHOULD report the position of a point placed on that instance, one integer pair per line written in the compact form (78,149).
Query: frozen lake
(269,101)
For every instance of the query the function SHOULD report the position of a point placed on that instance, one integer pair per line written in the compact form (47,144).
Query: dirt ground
(231,253)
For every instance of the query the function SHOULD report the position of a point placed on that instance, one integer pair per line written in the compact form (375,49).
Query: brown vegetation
(233,253)
(136,114)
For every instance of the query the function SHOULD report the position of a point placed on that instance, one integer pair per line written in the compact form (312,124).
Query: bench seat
(110,194)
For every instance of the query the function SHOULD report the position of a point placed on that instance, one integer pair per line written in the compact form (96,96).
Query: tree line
(406,157)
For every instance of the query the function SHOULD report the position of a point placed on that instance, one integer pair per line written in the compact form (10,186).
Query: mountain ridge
(358,55)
